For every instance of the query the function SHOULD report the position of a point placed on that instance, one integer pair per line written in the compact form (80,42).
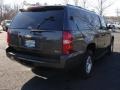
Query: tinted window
(83,25)
(92,21)
(34,20)
(85,20)
(8,21)
(96,22)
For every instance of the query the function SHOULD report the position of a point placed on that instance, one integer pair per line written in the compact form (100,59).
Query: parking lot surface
(14,76)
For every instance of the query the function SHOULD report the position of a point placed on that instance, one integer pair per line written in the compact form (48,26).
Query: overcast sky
(111,11)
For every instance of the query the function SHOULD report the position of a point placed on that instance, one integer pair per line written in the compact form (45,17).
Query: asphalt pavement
(14,76)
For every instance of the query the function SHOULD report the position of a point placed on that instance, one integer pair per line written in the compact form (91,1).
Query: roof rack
(82,8)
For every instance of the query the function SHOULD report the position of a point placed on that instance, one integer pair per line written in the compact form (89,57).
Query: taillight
(8,37)
(67,43)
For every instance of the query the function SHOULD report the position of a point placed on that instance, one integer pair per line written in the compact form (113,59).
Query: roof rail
(82,8)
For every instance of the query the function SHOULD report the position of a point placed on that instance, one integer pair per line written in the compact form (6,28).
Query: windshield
(34,19)
(8,21)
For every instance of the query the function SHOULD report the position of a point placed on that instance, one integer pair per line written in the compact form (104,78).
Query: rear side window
(89,21)
(39,20)
(80,19)
(86,20)
(96,22)
(83,20)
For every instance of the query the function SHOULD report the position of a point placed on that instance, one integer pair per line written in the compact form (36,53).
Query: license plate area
(30,43)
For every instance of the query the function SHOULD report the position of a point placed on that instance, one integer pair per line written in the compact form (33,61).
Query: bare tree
(117,12)
(66,1)
(84,3)
(102,6)
(1,9)
(8,11)
(76,2)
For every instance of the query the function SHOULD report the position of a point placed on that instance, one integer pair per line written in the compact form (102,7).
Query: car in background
(117,26)
(5,24)
(112,27)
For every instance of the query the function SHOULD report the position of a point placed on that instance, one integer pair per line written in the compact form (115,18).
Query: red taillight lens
(67,42)
(8,37)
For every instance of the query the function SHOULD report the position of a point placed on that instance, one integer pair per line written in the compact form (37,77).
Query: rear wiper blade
(51,18)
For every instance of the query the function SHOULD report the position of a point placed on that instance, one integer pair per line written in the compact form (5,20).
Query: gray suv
(61,37)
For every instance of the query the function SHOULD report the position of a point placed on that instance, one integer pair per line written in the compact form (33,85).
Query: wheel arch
(91,46)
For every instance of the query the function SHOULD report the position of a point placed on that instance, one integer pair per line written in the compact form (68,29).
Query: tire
(110,47)
(87,65)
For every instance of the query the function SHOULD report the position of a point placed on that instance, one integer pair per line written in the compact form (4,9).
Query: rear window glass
(48,19)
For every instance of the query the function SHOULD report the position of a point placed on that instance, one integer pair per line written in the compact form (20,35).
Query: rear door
(38,31)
